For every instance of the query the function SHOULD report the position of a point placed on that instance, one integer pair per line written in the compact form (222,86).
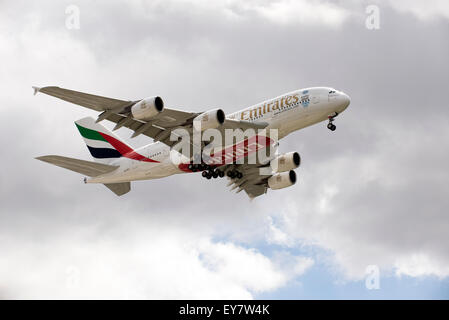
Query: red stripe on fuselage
(235,152)
(240,150)
(124,150)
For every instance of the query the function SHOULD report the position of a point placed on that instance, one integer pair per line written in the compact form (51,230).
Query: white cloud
(420,265)
(303,12)
(279,12)
(373,208)
(292,265)
(424,10)
(302,264)
(275,235)
(246,267)
(135,260)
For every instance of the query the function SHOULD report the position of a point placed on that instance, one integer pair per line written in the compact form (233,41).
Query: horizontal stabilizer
(88,168)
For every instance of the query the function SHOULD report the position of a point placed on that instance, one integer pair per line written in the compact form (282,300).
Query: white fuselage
(286,113)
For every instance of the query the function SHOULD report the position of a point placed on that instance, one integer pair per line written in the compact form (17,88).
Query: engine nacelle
(282,180)
(209,120)
(286,162)
(147,108)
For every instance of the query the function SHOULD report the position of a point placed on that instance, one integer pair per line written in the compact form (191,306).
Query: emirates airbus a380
(117,164)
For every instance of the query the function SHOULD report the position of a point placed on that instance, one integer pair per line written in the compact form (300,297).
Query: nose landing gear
(330,125)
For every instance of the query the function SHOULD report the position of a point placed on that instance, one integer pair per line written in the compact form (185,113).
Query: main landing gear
(209,172)
(330,125)
(235,174)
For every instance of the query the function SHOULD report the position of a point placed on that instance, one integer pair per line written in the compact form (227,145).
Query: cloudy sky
(372,194)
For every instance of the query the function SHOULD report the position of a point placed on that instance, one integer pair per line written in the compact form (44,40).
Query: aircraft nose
(345,100)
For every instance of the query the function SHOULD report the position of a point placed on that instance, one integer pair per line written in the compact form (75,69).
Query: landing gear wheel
(215,174)
(204,174)
(330,125)
(239,175)
(220,173)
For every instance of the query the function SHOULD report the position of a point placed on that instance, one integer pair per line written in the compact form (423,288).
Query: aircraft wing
(87,100)
(159,128)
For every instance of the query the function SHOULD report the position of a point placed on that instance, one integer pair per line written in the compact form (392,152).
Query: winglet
(36,90)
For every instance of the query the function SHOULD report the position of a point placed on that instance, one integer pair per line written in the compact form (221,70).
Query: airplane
(117,164)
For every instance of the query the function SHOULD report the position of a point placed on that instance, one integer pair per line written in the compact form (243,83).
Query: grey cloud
(386,161)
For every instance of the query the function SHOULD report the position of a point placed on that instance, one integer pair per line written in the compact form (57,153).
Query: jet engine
(209,120)
(282,180)
(286,162)
(147,108)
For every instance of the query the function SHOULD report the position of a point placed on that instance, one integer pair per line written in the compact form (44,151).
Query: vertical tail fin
(103,145)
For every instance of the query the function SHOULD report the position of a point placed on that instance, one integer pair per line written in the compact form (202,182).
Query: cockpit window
(332,91)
